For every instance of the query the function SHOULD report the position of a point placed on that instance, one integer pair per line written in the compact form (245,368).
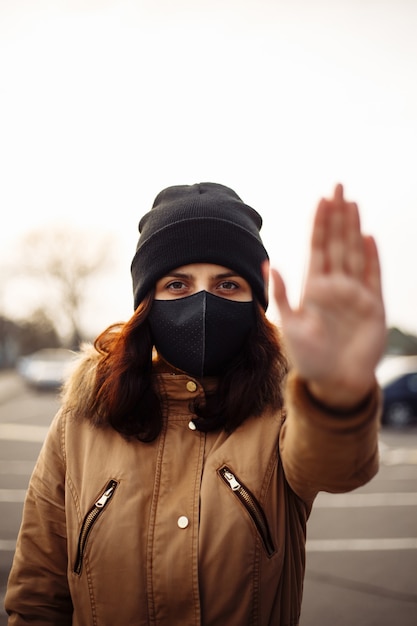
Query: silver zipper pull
(234,484)
(103,499)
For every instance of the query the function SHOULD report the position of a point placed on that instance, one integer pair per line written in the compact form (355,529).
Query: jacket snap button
(191,385)
(191,425)
(182,521)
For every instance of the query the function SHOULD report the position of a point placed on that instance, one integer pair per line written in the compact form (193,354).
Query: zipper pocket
(252,506)
(89,521)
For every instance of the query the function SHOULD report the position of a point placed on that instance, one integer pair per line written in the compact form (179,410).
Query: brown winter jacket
(192,529)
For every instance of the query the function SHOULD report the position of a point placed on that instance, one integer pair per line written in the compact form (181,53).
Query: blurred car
(47,368)
(397,376)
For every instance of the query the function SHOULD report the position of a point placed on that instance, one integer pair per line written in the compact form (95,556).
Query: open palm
(336,336)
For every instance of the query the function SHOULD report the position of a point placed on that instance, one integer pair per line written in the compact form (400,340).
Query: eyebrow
(176,275)
(228,274)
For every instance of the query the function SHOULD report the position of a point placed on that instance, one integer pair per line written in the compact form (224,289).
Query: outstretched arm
(336,336)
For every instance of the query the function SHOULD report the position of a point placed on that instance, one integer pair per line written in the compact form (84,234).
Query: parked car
(398,379)
(47,368)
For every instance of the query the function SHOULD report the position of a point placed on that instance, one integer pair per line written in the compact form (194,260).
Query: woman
(176,480)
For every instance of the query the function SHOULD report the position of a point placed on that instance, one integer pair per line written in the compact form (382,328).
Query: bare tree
(60,263)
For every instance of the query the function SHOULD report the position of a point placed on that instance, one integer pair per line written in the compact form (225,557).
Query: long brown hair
(125,398)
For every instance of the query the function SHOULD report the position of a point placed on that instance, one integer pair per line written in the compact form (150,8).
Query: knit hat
(202,223)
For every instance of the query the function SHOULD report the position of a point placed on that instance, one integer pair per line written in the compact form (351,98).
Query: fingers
(337,244)
(335,232)
(280,294)
(354,261)
(372,268)
(318,238)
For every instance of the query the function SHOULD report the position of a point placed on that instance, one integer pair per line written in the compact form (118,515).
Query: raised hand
(337,335)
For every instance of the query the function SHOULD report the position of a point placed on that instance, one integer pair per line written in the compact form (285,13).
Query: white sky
(104,103)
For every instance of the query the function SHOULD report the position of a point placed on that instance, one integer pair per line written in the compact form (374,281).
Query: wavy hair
(125,398)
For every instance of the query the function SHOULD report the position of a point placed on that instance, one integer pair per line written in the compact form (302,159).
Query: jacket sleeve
(37,591)
(324,450)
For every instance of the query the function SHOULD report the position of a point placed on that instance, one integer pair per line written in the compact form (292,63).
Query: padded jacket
(192,529)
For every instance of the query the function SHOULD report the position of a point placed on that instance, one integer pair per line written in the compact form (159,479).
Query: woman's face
(190,279)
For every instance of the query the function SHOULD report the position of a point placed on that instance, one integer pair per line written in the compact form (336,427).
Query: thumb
(280,294)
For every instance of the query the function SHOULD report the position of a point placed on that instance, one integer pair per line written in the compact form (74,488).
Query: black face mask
(201,333)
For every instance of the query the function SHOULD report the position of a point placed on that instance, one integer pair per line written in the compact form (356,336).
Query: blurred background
(103,103)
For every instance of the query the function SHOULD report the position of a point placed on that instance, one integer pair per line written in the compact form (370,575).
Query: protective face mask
(201,333)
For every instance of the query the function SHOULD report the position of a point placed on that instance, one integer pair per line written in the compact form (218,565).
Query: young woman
(176,481)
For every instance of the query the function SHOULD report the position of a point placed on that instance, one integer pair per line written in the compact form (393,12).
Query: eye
(175,285)
(228,285)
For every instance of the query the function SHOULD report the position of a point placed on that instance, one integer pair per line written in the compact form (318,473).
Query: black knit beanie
(202,223)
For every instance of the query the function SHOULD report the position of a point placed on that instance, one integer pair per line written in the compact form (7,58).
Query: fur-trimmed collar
(77,390)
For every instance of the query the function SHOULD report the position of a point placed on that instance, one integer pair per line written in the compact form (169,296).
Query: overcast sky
(104,103)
